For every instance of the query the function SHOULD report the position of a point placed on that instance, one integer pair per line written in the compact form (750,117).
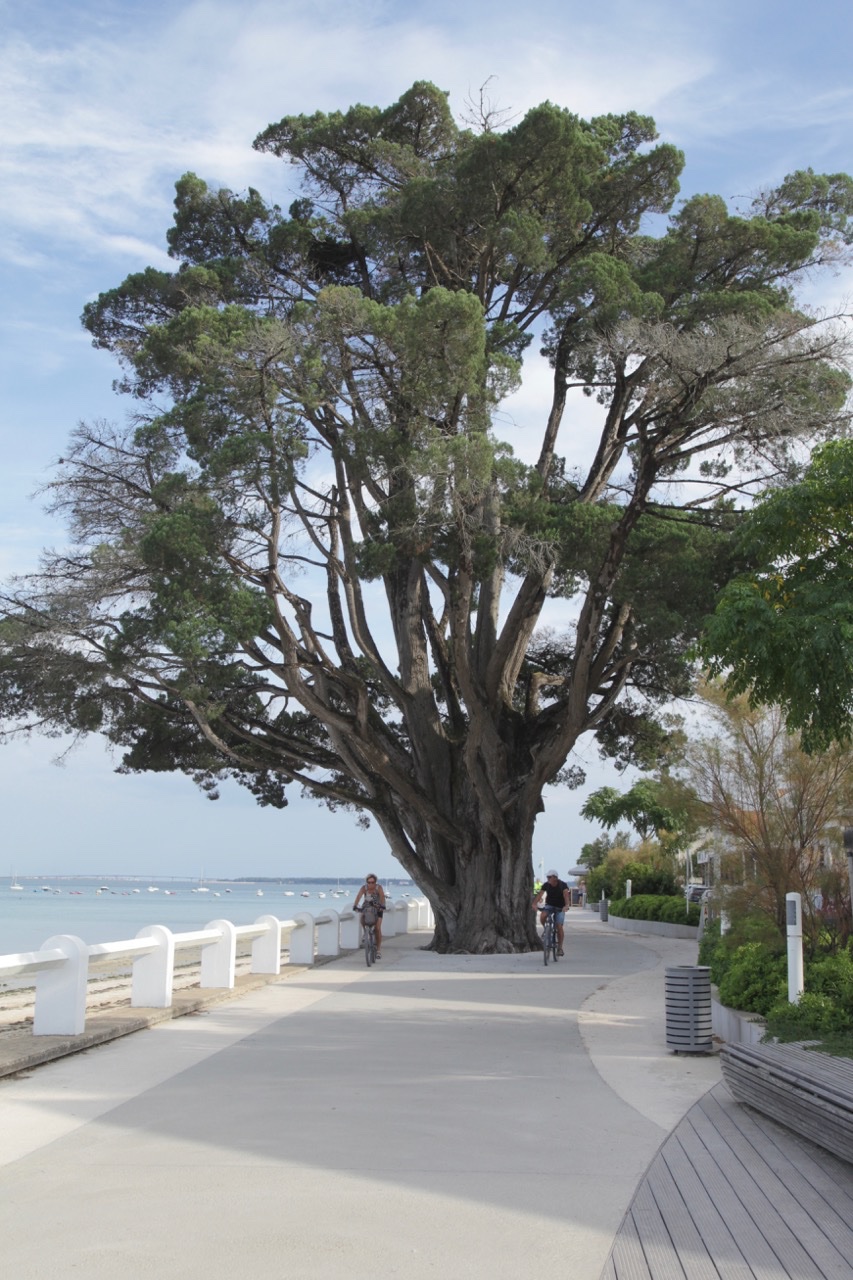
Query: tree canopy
(783,632)
(310,558)
(643,806)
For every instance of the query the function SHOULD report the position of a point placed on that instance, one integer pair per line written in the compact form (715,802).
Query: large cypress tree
(308,559)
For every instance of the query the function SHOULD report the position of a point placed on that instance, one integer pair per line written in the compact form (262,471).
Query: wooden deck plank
(709,1222)
(780,1163)
(627,1260)
(661,1254)
(831,1178)
(735,1195)
(752,1243)
(788,1229)
(684,1235)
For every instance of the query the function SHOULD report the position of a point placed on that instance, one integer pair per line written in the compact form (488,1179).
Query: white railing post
(61,993)
(266,950)
(389,925)
(328,940)
(350,925)
(426,920)
(154,974)
(402,916)
(302,939)
(219,959)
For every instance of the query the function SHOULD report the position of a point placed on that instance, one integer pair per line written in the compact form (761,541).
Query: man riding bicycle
(558,899)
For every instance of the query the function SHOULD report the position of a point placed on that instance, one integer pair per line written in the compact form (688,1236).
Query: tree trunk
(488,907)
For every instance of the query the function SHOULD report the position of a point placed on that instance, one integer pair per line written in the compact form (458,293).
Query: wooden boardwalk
(731,1195)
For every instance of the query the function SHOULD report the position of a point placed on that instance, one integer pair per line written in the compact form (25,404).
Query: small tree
(778,810)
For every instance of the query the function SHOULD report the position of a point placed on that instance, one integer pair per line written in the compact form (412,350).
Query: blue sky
(103,104)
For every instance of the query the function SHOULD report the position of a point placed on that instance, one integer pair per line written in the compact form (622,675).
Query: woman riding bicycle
(558,898)
(374,896)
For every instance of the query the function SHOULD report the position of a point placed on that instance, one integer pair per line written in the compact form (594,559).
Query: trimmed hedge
(651,906)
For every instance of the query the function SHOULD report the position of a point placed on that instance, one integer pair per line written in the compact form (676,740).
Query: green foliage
(814,1017)
(783,633)
(640,806)
(755,979)
(595,851)
(660,907)
(646,878)
(709,944)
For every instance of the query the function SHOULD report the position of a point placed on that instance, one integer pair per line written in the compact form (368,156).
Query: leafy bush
(815,1017)
(648,906)
(755,979)
(832,976)
(752,976)
(646,877)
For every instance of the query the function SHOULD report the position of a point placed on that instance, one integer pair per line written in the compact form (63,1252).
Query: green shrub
(709,944)
(832,976)
(755,979)
(650,906)
(815,1017)
(610,876)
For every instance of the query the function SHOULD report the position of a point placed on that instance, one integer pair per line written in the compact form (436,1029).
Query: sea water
(112,910)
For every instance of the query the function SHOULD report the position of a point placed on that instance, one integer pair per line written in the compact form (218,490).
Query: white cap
(554,873)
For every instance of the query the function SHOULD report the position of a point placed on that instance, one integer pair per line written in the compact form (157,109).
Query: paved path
(437,1116)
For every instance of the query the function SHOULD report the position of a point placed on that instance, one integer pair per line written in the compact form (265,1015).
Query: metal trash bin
(688,1009)
(603,909)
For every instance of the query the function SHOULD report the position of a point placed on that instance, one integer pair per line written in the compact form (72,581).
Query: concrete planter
(659,927)
(734,1027)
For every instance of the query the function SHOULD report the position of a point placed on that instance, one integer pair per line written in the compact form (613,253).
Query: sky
(105,103)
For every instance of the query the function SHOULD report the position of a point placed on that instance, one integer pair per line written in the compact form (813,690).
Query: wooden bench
(805,1090)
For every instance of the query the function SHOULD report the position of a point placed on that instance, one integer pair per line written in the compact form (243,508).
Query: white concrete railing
(61,966)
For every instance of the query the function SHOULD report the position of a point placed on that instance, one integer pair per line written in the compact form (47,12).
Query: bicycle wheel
(555,944)
(546,941)
(369,946)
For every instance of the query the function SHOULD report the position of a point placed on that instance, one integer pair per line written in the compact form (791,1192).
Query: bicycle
(550,942)
(368,933)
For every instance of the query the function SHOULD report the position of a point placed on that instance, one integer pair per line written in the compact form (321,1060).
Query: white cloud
(98,126)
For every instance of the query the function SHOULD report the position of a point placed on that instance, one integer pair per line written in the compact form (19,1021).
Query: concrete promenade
(437,1116)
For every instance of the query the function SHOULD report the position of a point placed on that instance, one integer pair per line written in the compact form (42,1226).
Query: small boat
(305,894)
(321,895)
(288,893)
(260,893)
(153,888)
